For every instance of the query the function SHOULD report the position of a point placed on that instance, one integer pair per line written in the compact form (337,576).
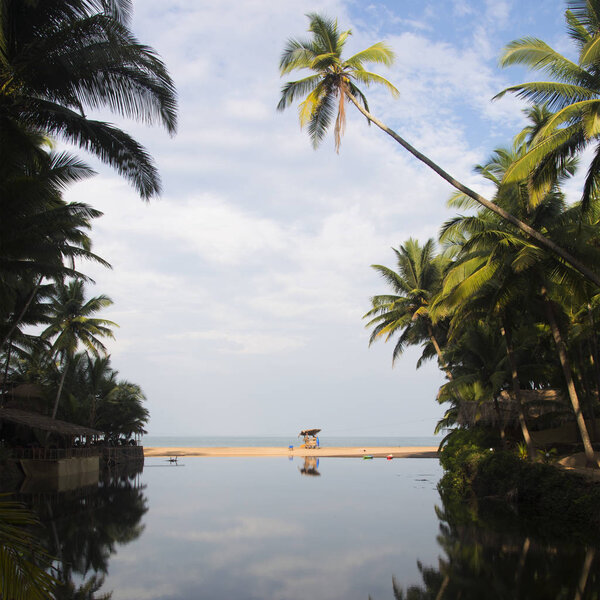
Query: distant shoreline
(332,452)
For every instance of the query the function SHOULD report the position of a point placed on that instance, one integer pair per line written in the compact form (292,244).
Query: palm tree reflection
(481,561)
(83,528)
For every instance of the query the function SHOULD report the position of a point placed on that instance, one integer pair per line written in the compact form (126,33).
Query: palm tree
(573,91)
(414,285)
(61,58)
(73,324)
(333,81)
(500,268)
(40,234)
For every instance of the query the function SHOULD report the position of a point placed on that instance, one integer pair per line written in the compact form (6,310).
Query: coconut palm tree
(40,234)
(73,324)
(502,269)
(333,82)
(573,91)
(61,58)
(405,312)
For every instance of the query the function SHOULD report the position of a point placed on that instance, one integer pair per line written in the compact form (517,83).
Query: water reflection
(311,465)
(228,528)
(495,559)
(82,528)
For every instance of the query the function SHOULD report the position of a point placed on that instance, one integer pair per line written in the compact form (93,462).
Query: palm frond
(379,53)
(536,54)
(368,78)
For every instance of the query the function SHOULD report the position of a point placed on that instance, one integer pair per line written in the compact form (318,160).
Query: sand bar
(345,452)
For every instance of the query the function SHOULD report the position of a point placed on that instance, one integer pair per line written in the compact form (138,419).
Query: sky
(240,292)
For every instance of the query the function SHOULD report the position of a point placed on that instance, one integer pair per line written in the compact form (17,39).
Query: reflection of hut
(311,464)
(310,438)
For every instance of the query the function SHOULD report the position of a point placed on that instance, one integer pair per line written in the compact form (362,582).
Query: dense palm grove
(514,328)
(59,60)
(509,300)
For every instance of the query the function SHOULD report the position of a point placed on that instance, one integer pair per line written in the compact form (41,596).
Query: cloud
(260,247)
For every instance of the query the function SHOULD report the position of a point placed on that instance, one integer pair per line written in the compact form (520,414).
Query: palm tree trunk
(585,573)
(60,387)
(4,388)
(516,384)
(566,367)
(438,351)
(536,235)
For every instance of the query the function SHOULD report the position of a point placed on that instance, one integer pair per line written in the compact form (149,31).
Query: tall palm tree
(406,311)
(73,324)
(333,82)
(61,58)
(573,91)
(502,269)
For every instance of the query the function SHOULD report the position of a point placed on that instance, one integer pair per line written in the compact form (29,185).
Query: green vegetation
(509,303)
(59,60)
(512,324)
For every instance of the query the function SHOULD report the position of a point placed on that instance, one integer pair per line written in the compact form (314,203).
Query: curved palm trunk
(536,235)
(516,384)
(566,367)
(60,387)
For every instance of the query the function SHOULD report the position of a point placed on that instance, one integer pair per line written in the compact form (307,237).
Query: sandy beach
(345,452)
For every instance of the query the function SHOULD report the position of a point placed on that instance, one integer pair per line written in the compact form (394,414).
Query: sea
(160,441)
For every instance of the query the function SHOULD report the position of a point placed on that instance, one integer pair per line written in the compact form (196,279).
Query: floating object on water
(172,459)
(390,456)
(367,457)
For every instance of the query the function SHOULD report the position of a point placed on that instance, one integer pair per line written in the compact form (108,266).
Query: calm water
(274,528)
(240,441)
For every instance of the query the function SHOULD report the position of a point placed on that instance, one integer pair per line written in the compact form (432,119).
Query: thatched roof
(37,421)
(309,432)
(536,403)
(26,390)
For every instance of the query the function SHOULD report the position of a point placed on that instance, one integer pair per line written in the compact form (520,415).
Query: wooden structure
(62,454)
(310,438)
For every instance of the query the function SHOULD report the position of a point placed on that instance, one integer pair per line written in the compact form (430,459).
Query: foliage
(23,560)
(62,58)
(333,79)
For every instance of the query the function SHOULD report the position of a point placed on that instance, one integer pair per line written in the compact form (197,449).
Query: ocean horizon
(201,441)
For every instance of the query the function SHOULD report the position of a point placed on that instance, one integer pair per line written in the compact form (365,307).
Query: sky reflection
(256,528)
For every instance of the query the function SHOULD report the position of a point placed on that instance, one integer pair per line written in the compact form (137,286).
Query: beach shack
(310,438)
(50,448)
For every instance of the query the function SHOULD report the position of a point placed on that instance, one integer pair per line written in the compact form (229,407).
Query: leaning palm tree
(73,324)
(334,80)
(62,58)
(573,91)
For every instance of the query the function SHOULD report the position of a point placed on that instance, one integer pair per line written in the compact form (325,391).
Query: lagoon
(277,529)
(248,528)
